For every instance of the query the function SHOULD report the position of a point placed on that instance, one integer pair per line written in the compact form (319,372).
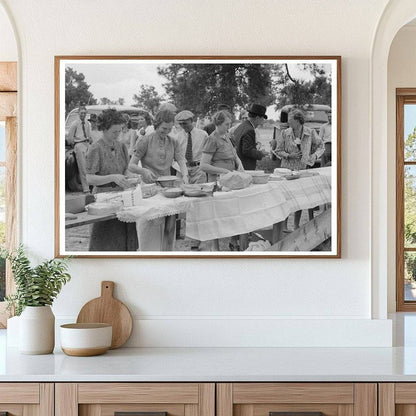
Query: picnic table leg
(169,233)
(277,233)
(243,242)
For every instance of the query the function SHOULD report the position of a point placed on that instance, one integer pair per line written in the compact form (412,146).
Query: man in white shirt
(79,136)
(191,140)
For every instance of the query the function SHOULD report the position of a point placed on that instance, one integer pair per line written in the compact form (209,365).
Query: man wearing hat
(191,141)
(245,137)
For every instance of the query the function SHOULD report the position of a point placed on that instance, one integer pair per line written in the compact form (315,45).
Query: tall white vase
(37,330)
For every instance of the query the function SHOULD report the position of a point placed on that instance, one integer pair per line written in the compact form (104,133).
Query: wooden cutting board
(107,309)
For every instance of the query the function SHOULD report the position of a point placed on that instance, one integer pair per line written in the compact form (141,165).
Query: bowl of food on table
(172,192)
(258,176)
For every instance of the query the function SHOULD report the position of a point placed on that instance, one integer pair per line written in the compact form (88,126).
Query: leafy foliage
(201,87)
(76,90)
(35,286)
(148,98)
(107,101)
(314,87)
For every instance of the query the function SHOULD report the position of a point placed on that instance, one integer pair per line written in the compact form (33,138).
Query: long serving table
(83,218)
(238,212)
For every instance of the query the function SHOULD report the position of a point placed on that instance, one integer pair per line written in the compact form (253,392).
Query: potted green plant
(36,289)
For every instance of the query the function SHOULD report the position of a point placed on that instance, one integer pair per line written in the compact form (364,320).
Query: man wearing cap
(191,141)
(245,137)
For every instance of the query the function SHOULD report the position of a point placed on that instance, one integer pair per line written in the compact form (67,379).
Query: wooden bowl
(84,340)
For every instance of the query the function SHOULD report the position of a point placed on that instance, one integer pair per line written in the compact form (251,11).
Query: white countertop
(214,364)
(222,364)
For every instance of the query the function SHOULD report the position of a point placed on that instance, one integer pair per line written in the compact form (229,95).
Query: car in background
(133,112)
(315,114)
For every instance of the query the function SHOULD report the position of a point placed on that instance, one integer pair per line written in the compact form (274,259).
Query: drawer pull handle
(140,414)
(296,414)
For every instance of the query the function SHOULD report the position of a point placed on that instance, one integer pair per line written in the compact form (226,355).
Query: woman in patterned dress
(299,147)
(107,162)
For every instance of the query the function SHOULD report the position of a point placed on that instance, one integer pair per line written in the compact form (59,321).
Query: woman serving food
(219,155)
(107,162)
(156,152)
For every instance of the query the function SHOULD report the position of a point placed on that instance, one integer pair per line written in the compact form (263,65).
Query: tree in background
(410,206)
(148,98)
(201,87)
(313,87)
(76,91)
(107,101)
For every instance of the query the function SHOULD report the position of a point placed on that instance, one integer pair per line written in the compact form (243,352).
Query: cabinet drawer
(296,399)
(153,399)
(21,399)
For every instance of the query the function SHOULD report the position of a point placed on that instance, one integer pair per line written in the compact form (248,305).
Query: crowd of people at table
(108,150)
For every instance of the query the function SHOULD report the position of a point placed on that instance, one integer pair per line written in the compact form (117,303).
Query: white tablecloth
(237,212)
(258,206)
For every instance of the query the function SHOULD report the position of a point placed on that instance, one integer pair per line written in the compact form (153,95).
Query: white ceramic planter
(37,330)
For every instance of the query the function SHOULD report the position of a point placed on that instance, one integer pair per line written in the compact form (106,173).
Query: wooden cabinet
(208,399)
(27,399)
(397,399)
(108,399)
(297,399)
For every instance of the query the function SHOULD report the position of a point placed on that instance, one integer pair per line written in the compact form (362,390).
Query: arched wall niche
(9,50)
(396,14)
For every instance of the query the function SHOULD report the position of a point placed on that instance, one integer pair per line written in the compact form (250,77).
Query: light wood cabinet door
(397,399)
(297,399)
(27,399)
(144,399)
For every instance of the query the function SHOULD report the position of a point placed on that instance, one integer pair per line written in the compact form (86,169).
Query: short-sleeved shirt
(222,150)
(157,154)
(107,159)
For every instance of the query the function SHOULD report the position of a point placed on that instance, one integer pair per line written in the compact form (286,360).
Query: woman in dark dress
(107,162)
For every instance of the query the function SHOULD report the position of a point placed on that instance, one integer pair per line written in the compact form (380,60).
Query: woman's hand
(185,179)
(120,180)
(148,176)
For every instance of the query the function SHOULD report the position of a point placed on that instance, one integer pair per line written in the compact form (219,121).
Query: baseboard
(258,332)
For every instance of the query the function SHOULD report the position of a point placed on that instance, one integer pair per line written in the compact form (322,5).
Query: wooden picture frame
(252,218)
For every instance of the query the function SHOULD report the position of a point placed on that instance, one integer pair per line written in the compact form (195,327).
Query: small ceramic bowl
(172,192)
(84,340)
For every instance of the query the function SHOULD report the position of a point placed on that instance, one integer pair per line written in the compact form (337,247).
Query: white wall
(179,302)
(401,74)
(8,47)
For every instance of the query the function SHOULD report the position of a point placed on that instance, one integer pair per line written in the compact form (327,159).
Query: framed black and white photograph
(198,156)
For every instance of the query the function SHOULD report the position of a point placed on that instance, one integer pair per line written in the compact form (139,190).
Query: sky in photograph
(122,79)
